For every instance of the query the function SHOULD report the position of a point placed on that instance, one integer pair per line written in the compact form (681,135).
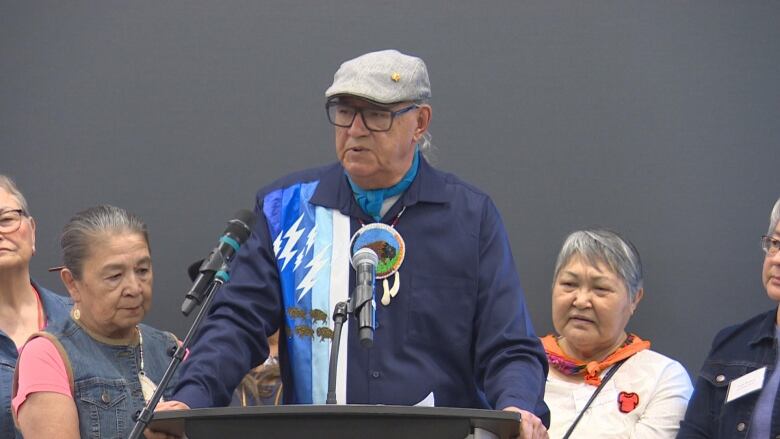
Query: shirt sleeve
(661,418)
(509,358)
(243,311)
(41,369)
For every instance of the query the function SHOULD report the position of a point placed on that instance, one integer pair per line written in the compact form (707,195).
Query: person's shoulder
(58,299)
(38,346)
(298,177)
(664,371)
(456,183)
(158,333)
(658,360)
(56,306)
(743,333)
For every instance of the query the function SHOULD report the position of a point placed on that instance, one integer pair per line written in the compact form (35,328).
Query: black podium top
(336,421)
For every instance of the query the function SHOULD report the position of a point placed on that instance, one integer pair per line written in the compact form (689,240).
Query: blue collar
(371,200)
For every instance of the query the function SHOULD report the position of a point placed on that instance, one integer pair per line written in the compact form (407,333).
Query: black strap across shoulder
(604,380)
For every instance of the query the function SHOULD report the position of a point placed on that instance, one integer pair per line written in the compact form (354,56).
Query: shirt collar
(49,307)
(766,331)
(334,191)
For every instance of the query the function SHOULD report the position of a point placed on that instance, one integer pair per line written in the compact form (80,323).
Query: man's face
(376,159)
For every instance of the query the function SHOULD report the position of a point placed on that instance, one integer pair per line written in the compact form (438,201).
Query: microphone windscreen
(365,255)
(241,225)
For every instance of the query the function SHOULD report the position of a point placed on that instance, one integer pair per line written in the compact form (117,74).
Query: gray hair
(426,147)
(774,217)
(604,246)
(8,185)
(80,232)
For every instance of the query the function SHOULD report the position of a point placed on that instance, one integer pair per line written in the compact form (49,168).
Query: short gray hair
(604,246)
(774,217)
(80,232)
(8,185)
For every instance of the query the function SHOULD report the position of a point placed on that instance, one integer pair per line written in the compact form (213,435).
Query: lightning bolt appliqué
(315,266)
(309,243)
(292,236)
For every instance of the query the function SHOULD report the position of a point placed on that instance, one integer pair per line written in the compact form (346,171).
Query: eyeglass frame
(393,114)
(770,245)
(22,214)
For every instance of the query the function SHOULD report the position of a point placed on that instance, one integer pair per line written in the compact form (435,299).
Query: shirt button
(741,426)
(375,374)
(720,379)
(104,398)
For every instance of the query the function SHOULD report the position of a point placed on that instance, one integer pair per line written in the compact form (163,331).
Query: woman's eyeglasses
(11,219)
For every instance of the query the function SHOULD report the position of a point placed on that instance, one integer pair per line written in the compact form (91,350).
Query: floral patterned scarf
(591,370)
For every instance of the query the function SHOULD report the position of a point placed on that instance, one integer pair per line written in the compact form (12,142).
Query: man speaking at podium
(451,325)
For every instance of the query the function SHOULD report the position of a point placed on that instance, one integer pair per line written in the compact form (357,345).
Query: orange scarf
(591,370)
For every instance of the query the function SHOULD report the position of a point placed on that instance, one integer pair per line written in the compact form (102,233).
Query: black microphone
(236,233)
(364,261)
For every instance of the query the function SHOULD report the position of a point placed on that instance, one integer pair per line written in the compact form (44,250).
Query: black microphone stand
(341,312)
(144,416)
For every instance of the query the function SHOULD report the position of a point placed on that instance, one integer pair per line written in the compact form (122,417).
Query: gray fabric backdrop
(658,119)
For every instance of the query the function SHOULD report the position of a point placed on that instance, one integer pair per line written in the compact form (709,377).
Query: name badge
(745,384)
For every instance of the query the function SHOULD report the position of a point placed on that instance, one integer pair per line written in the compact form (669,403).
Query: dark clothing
(458,328)
(56,309)
(736,351)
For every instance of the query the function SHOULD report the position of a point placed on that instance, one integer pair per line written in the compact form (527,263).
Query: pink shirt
(41,369)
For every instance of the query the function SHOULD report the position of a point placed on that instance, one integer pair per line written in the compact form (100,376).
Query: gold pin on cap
(395,76)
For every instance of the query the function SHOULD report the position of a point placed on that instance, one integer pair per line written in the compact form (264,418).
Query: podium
(338,422)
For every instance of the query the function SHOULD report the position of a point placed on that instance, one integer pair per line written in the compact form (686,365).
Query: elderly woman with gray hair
(88,377)
(738,390)
(604,382)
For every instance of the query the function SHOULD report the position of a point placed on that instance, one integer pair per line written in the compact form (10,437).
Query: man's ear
(423,120)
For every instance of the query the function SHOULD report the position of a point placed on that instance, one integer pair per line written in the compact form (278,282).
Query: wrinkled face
(16,248)
(770,275)
(115,290)
(590,309)
(380,159)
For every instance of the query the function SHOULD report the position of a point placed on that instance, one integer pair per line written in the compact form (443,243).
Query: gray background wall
(658,119)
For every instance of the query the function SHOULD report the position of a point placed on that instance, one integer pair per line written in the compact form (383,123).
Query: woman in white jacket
(603,381)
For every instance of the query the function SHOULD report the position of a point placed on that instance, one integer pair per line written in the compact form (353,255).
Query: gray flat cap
(386,77)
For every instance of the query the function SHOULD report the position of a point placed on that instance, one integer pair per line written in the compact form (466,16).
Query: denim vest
(56,308)
(736,351)
(105,382)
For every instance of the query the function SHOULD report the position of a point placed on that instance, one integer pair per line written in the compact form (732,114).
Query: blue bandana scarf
(371,200)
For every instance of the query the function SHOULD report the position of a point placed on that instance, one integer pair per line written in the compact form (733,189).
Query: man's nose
(358,127)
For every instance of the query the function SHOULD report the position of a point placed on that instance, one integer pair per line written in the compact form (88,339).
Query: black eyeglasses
(375,119)
(770,245)
(11,219)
